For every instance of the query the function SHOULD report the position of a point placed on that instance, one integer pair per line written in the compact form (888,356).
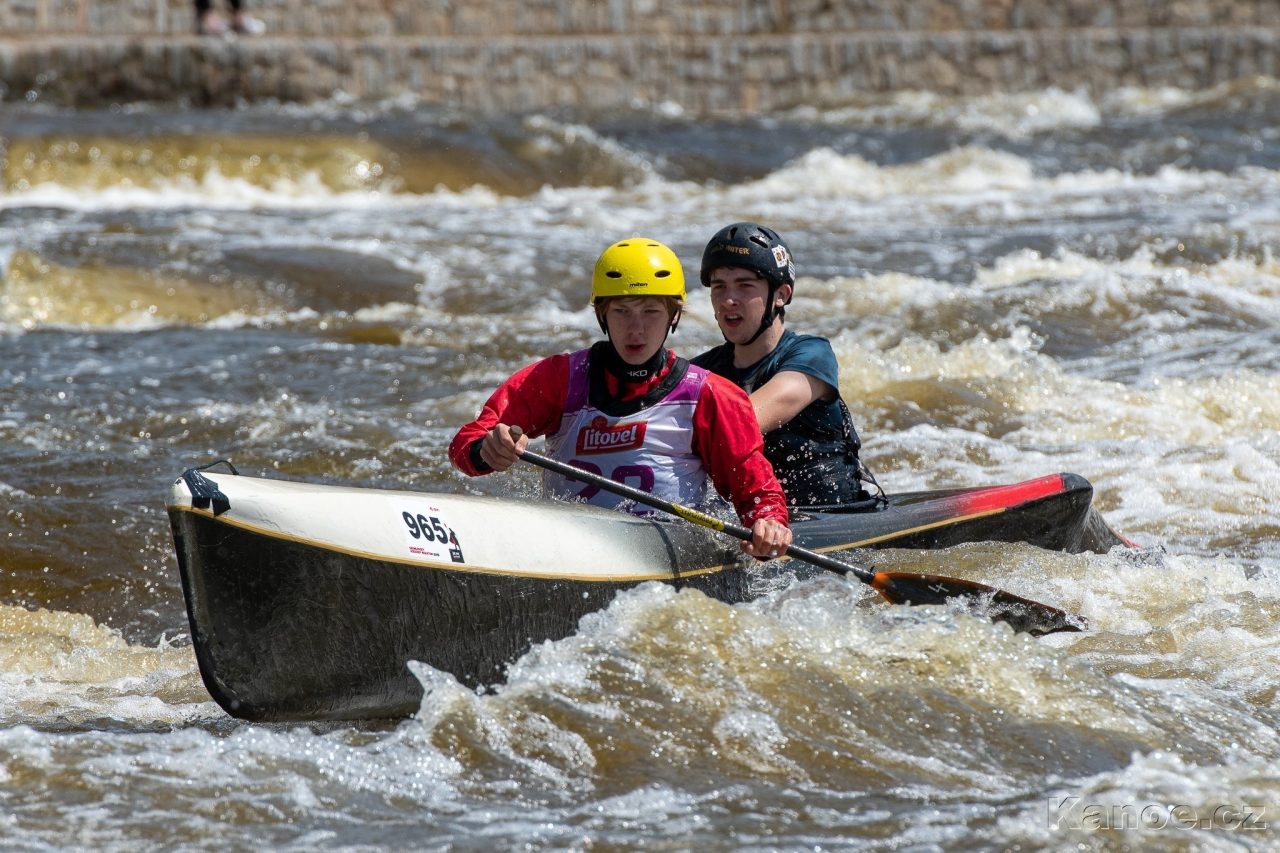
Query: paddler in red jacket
(629,409)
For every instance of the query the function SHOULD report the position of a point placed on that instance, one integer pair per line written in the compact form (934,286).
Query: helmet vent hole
(759,241)
(614,274)
(662,273)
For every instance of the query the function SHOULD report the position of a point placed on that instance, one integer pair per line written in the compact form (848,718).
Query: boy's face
(637,325)
(738,298)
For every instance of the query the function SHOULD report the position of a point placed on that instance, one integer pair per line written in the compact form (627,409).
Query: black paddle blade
(1019,613)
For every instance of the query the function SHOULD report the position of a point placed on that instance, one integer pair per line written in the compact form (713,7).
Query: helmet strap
(770,314)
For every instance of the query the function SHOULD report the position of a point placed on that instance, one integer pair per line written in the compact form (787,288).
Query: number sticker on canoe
(429,535)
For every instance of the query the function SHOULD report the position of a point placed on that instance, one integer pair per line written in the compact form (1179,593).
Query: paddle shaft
(688,514)
(897,587)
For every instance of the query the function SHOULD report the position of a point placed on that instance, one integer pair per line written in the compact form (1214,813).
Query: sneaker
(247,25)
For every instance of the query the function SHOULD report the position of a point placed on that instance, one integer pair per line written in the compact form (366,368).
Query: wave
(668,707)
(1022,338)
(1081,301)
(1232,96)
(35,292)
(271,286)
(96,163)
(1157,796)
(62,669)
(1012,115)
(1019,116)
(249,169)
(968,175)
(825,173)
(367,158)
(793,685)
(975,177)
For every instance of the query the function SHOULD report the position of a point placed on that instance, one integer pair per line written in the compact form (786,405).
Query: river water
(1013,286)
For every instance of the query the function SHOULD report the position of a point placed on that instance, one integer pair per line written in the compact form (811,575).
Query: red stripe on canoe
(1004,497)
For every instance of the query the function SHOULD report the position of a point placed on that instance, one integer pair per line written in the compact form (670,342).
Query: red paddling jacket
(663,436)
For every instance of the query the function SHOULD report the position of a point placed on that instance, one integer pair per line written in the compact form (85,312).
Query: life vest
(647,444)
(815,454)
(814,466)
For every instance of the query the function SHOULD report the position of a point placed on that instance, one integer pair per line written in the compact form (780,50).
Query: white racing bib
(650,450)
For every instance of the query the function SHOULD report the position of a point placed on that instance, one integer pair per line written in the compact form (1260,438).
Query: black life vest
(815,454)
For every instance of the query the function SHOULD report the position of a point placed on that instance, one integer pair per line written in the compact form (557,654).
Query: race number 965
(425,527)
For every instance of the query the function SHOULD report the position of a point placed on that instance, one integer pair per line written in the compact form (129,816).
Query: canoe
(307,601)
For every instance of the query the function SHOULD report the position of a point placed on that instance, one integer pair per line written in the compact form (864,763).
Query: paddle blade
(1021,614)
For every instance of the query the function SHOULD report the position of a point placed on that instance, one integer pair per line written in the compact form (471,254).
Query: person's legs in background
(244,23)
(210,23)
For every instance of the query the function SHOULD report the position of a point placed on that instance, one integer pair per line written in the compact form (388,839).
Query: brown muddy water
(1013,286)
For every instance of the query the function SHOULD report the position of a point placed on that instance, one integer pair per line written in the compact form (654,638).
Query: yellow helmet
(637,266)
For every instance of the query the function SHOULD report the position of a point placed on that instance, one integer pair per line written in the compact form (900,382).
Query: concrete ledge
(731,75)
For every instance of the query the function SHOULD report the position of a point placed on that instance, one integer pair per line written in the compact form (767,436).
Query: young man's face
(637,326)
(738,297)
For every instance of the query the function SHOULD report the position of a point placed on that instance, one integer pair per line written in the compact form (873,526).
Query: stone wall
(338,18)
(714,56)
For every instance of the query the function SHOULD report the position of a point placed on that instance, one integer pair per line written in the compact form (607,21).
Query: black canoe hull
(286,630)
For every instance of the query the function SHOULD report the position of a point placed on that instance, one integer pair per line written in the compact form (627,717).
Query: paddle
(1020,613)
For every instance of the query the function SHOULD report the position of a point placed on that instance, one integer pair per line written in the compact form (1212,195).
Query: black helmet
(752,247)
(756,248)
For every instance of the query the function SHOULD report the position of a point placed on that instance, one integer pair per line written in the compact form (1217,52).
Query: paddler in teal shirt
(809,435)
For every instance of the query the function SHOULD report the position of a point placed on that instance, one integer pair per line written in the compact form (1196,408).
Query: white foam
(1012,115)
(63,667)
(218,192)
(1159,799)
